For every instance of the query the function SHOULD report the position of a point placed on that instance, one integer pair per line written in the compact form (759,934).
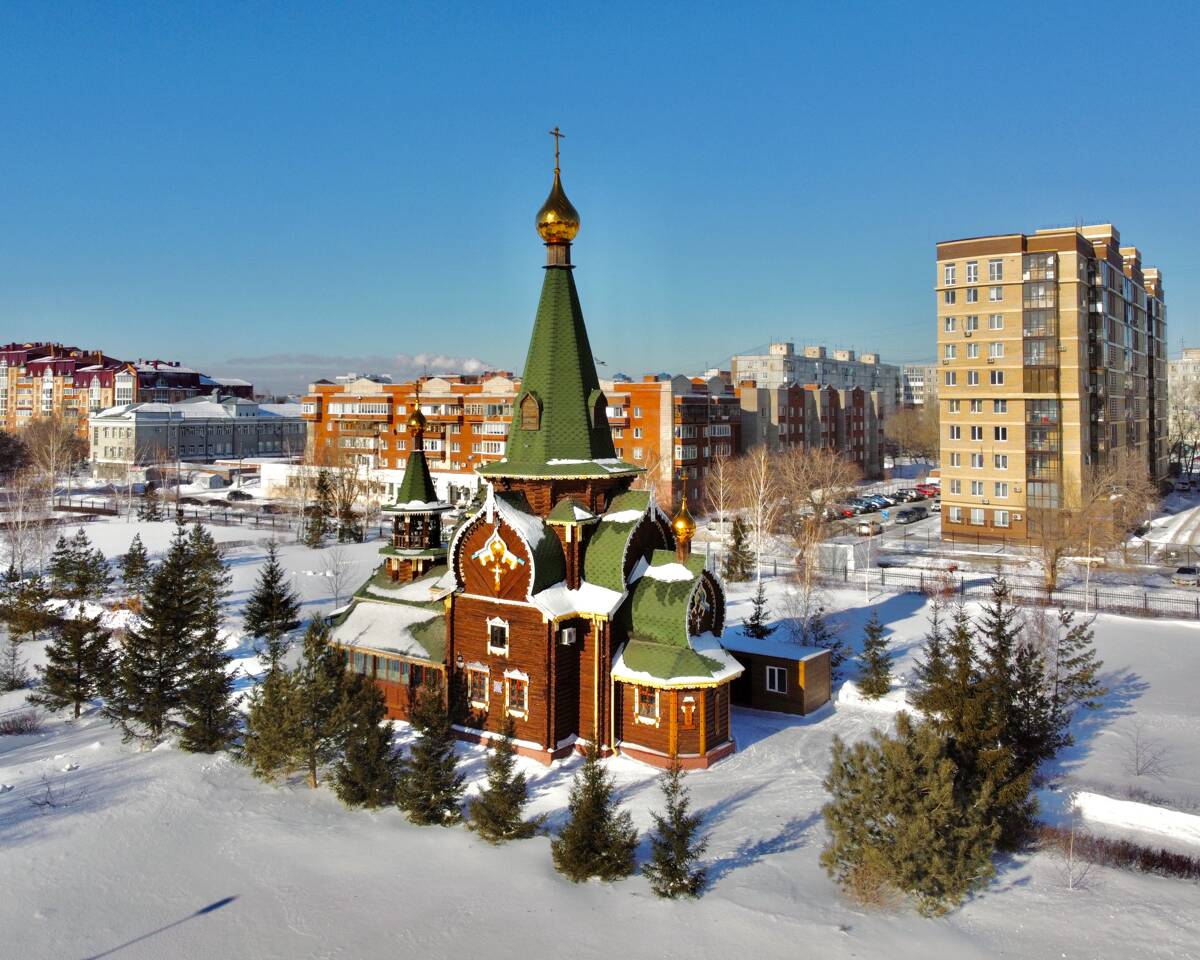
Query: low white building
(197,430)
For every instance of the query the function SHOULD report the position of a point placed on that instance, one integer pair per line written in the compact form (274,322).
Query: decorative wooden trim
(703,725)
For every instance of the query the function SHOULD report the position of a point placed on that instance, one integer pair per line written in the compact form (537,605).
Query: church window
(477,686)
(531,412)
(497,636)
(416,675)
(517,695)
(646,705)
(360,662)
(776,680)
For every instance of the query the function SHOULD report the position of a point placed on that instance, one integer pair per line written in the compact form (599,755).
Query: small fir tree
(135,567)
(497,814)
(208,707)
(676,845)
(598,840)
(367,773)
(930,671)
(14,668)
(92,576)
(150,508)
(28,615)
(318,701)
(739,561)
(1034,734)
(272,609)
(316,527)
(79,663)
(821,634)
(758,625)
(430,788)
(60,568)
(897,822)
(1074,671)
(269,742)
(874,665)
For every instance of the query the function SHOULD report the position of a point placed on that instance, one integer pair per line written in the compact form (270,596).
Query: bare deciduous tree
(812,480)
(719,490)
(759,496)
(1183,425)
(1145,754)
(336,568)
(914,431)
(27,530)
(55,448)
(658,466)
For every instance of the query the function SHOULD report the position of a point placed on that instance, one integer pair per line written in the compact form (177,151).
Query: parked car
(1183,485)
(929,489)
(238,495)
(911,514)
(908,494)
(846,509)
(936,506)
(1185,577)
(877,502)
(861,504)
(868,528)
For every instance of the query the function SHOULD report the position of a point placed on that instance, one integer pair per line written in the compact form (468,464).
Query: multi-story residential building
(1052,355)
(1183,388)
(919,383)
(196,430)
(49,379)
(781,366)
(810,415)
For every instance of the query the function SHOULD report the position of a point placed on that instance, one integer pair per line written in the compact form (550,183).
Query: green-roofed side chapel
(416,542)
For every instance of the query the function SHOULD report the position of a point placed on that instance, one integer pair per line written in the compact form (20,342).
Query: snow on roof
(621,516)
(772,646)
(419,591)
(669,572)
(384,626)
(528,526)
(201,408)
(611,464)
(560,601)
(705,644)
(417,506)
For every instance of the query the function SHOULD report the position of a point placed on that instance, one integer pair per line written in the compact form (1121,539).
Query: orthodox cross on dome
(557,135)
(494,555)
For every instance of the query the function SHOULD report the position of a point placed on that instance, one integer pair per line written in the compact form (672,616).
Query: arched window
(598,408)
(531,412)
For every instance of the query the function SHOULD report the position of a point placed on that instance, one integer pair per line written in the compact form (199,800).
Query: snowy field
(163,854)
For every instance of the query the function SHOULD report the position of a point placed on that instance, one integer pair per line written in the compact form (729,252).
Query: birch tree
(759,495)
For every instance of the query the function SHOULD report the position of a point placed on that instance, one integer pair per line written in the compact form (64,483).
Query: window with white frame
(516,694)
(977,516)
(1000,433)
(999,406)
(478,683)
(951,378)
(995,294)
(776,680)
(948,296)
(645,705)
(997,378)
(995,270)
(951,351)
(977,488)
(637,412)
(972,295)
(1000,518)
(977,461)
(955,432)
(948,274)
(956,459)
(948,324)
(977,433)
(972,351)
(970,324)
(497,636)
(956,514)
(972,271)
(996,349)
(956,486)
(952,406)
(1001,489)
(972,378)
(996,321)
(977,406)
(1000,461)
(637,433)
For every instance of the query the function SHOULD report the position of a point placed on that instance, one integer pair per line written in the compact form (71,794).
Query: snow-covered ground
(165,854)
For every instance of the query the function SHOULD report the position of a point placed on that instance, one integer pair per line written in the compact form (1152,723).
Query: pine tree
(740,559)
(821,635)
(150,507)
(153,667)
(79,663)
(318,701)
(758,625)
(316,527)
(28,615)
(875,666)
(897,821)
(1034,735)
(60,568)
(1074,671)
(676,846)
(269,742)
(597,840)
(14,668)
(135,567)
(931,671)
(272,609)
(497,813)
(367,773)
(91,576)
(430,788)
(207,568)
(207,705)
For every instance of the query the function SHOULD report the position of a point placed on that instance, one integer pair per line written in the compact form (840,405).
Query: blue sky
(285,190)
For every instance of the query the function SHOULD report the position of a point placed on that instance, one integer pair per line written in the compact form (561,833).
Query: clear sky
(283,191)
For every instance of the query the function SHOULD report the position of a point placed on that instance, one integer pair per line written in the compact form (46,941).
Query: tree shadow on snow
(203,911)
(791,836)
(1125,686)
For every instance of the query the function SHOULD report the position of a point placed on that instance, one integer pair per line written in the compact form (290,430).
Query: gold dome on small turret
(558,220)
(683,524)
(416,419)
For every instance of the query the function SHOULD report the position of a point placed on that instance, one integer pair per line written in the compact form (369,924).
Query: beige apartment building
(1052,359)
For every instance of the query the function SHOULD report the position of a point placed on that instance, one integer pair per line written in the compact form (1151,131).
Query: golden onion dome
(683,524)
(416,419)
(557,221)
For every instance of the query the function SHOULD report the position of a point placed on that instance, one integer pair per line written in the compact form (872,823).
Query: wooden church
(567,600)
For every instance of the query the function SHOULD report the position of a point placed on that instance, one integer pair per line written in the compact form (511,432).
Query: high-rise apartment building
(919,382)
(782,366)
(1052,357)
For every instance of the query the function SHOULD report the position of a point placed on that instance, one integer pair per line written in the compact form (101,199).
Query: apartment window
(955,432)
(948,296)
(973,295)
(972,271)
(637,433)
(497,636)
(637,453)
(956,459)
(995,295)
(976,406)
(776,680)
(997,378)
(952,406)
(949,324)
(972,378)
(1000,461)
(972,351)
(956,486)
(977,488)
(996,321)
(995,270)
(977,461)
(1001,488)
(477,687)
(1000,518)
(970,324)
(996,350)
(977,516)
(948,274)
(956,514)
(951,351)
(637,412)
(517,695)
(999,406)
(977,433)
(951,378)
(1000,433)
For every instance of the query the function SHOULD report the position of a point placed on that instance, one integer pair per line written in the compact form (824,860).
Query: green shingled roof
(657,610)
(569,511)
(431,634)
(417,483)
(549,567)
(560,374)
(667,661)
(604,558)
